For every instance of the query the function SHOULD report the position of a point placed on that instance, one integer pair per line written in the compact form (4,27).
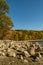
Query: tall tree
(5,21)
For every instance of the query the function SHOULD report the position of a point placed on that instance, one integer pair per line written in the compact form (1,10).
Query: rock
(11,52)
(36,45)
(21,57)
(2,54)
(38,48)
(31,51)
(38,55)
(41,53)
(25,61)
(21,49)
(12,45)
(26,54)
(38,59)
(33,45)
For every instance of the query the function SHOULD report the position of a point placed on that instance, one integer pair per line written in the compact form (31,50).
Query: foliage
(5,21)
(26,35)
(6,25)
(4,6)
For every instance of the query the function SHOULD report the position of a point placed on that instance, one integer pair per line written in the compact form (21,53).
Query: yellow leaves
(5,21)
(26,35)
(8,21)
(20,35)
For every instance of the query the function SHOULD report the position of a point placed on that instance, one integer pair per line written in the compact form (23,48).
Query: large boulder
(38,47)
(38,55)
(31,51)
(11,52)
(26,54)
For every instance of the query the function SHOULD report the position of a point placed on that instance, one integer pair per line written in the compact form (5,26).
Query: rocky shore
(24,51)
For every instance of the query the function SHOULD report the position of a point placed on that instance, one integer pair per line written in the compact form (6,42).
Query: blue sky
(26,14)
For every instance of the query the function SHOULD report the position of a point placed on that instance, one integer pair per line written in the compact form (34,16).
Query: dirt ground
(15,61)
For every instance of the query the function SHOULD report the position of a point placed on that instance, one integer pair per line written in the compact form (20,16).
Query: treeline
(23,35)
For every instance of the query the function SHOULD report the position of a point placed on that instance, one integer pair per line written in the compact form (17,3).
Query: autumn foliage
(6,25)
(23,35)
(5,21)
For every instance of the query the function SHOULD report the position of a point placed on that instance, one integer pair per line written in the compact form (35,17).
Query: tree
(5,21)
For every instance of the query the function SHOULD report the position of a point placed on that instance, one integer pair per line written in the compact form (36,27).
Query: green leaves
(4,6)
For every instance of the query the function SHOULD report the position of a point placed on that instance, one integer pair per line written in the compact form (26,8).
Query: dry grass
(15,61)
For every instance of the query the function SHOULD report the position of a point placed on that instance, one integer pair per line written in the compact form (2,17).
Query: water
(41,42)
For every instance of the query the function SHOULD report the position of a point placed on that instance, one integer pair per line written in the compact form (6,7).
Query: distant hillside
(22,35)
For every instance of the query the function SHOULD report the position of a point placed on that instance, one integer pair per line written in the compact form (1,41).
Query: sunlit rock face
(21,49)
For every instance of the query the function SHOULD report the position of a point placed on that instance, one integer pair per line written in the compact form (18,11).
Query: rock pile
(21,49)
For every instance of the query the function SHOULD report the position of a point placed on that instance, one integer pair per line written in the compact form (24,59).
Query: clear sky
(26,14)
